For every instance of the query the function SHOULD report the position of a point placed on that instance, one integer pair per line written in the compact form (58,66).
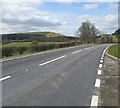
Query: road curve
(60,78)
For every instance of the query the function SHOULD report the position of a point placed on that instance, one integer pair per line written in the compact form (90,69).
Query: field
(114,50)
(114,38)
(48,34)
(21,44)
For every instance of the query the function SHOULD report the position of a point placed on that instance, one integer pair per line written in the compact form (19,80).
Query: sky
(61,16)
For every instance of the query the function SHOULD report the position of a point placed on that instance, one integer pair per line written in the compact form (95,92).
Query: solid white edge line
(99,72)
(104,52)
(100,65)
(97,83)
(7,77)
(52,60)
(94,101)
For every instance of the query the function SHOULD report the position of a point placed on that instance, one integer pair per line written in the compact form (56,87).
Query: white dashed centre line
(94,101)
(97,83)
(26,70)
(7,77)
(52,60)
(76,52)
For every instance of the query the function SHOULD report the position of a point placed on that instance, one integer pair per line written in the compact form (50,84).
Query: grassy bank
(26,44)
(114,38)
(114,50)
(22,48)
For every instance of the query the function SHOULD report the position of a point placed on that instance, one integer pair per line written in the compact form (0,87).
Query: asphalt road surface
(60,78)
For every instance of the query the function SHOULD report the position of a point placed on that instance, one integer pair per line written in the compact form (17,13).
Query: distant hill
(39,36)
(47,34)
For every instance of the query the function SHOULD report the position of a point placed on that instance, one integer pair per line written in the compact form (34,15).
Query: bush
(21,50)
(34,42)
(8,51)
(37,48)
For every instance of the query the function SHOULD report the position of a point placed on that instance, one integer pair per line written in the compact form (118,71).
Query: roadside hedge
(10,51)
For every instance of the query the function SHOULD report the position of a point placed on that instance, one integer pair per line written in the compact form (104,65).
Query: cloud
(81,0)
(25,16)
(33,21)
(22,1)
(66,0)
(108,23)
(113,5)
(90,6)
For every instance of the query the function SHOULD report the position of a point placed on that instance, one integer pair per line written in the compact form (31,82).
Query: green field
(48,34)
(21,44)
(114,50)
(114,38)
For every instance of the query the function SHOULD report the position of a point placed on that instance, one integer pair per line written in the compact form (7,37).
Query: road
(60,78)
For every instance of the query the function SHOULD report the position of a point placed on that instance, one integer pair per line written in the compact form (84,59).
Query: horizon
(59,17)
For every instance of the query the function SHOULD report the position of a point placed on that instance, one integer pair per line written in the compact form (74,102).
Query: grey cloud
(32,22)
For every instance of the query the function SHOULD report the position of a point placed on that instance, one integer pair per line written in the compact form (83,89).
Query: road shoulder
(109,85)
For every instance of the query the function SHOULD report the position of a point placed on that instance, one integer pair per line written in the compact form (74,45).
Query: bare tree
(88,32)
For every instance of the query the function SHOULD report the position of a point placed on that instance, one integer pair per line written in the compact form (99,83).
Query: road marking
(102,55)
(7,77)
(99,72)
(101,58)
(100,65)
(52,60)
(97,83)
(76,52)
(93,47)
(94,101)
(101,61)
(86,48)
(26,70)
(104,51)
(39,53)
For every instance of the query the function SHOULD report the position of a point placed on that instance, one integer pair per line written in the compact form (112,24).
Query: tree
(94,32)
(87,32)
(117,33)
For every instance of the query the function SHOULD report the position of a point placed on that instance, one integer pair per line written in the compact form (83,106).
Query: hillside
(47,34)
(39,36)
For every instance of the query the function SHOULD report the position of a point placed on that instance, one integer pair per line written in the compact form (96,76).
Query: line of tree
(35,47)
(87,32)
(117,33)
(6,38)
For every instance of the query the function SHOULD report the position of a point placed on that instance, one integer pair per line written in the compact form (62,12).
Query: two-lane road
(60,78)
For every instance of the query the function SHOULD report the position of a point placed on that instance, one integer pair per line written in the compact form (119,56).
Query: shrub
(37,48)
(8,51)
(34,42)
(21,50)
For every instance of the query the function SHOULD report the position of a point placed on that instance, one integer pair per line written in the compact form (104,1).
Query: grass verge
(114,50)
(24,44)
